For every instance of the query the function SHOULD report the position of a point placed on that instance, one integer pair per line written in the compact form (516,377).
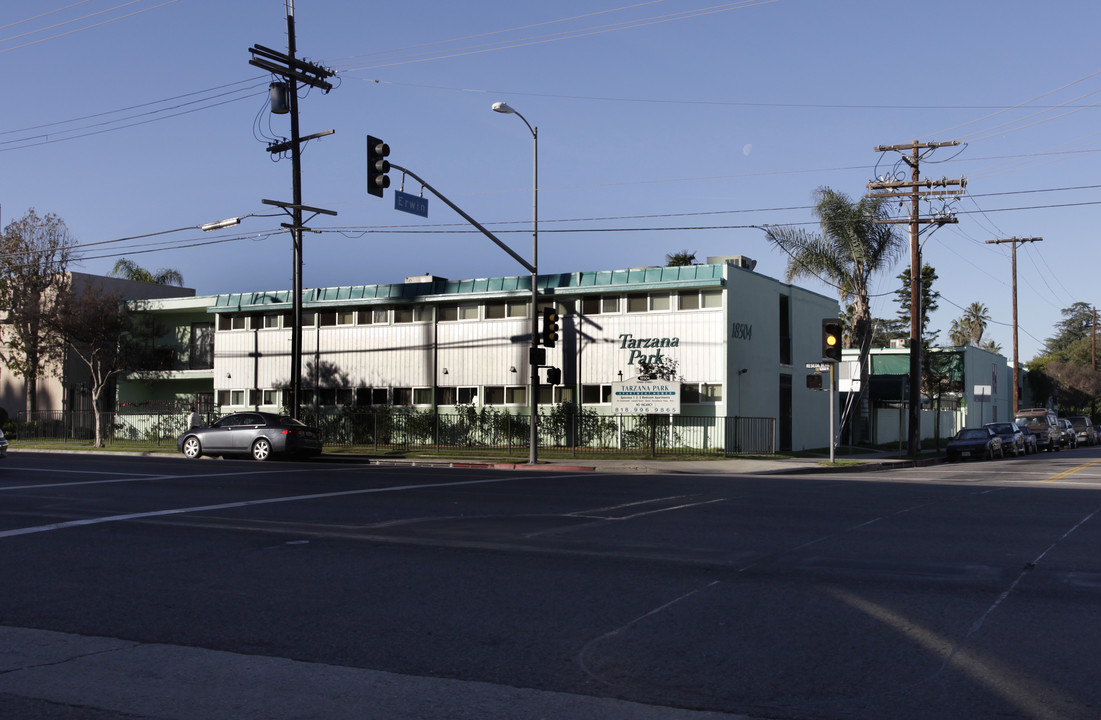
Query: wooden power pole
(913,189)
(1014,241)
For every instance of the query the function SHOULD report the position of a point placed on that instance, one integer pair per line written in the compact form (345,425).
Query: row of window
(457,312)
(693,393)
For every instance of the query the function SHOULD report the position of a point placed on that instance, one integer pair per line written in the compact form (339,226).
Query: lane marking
(138,478)
(1071,471)
(266,501)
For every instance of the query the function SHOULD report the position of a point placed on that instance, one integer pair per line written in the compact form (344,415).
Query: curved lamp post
(533,455)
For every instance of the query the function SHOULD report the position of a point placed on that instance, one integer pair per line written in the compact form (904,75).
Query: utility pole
(1014,241)
(294,71)
(913,190)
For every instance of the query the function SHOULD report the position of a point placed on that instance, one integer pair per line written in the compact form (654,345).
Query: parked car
(1043,423)
(259,434)
(1012,437)
(974,442)
(3,445)
(1083,428)
(1069,436)
(1031,444)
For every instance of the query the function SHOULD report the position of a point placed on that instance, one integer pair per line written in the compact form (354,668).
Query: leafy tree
(129,270)
(35,252)
(680,259)
(1075,327)
(850,249)
(970,327)
(929,303)
(98,327)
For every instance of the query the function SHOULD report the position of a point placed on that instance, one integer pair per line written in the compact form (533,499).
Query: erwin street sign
(411,204)
(646,397)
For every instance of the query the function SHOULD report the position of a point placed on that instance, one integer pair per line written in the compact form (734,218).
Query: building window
(495,395)
(422,396)
(403,396)
(700,393)
(518,309)
(272,320)
(254,397)
(516,395)
(456,395)
(546,395)
(236,397)
(647,302)
(232,322)
(410,313)
(223,397)
(609,304)
(563,394)
(596,394)
(697,299)
(271,397)
(309,318)
(785,330)
(326,319)
(365,397)
(346,317)
(566,307)
(201,352)
(455,312)
(637,303)
(373,316)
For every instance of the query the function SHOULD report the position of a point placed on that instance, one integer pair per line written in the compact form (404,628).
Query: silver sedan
(259,434)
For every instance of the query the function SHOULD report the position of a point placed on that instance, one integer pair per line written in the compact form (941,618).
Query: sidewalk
(863,462)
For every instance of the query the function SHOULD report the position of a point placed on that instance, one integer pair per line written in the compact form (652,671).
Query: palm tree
(969,329)
(684,257)
(852,247)
(127,269)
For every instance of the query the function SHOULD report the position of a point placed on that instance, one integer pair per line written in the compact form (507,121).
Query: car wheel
(192,448)
(261,449)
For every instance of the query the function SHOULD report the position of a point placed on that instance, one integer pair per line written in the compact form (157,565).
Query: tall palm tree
(852,246)
(127,269)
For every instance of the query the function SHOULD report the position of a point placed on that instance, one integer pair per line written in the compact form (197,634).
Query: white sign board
(982,393)
(646,397)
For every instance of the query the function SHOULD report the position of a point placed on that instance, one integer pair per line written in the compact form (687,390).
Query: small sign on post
(411,204)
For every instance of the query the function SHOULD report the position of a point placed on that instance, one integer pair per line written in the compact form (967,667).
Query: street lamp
(533,455)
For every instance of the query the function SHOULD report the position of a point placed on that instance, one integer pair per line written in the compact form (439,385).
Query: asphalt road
(165,588)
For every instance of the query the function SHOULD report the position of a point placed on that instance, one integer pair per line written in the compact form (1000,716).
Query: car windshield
(288,420)
(1030,421)
(1001,428)
(972,435)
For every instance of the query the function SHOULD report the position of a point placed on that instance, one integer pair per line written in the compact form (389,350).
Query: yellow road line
(1073,470)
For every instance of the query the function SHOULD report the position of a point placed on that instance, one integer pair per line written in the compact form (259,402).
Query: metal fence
(562,430)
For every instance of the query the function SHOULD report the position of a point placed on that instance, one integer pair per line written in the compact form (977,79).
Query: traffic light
(554,376)
(831,339)
(550,326)
(377,166)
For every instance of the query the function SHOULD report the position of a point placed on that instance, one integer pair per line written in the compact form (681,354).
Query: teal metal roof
(578,283)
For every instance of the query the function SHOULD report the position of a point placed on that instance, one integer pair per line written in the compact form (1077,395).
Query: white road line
(266,501)
(137,478)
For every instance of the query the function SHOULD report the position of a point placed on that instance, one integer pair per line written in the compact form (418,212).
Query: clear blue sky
(663,126)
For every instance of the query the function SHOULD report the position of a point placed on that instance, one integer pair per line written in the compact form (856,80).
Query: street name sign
(411,204)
